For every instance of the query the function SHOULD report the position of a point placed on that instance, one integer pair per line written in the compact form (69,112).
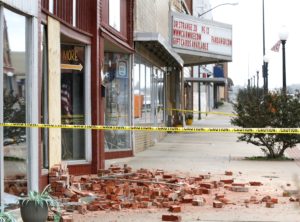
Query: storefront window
(148,86)
(14,104)
(44,98)
(117,103)
(72,101)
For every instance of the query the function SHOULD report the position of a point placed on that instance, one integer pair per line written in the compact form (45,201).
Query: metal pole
(257,78)
(283,67)
(264,48)
(266,75)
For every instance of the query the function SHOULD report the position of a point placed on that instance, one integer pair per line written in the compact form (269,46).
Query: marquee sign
(192,33)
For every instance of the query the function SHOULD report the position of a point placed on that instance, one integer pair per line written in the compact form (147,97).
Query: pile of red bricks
(16,185)
(120,188)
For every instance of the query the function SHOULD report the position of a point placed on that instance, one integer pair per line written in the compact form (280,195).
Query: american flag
(66,102)
(276,47)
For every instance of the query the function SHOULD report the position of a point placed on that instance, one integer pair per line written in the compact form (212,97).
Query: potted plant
(34,207)
(6,217)
(189,119)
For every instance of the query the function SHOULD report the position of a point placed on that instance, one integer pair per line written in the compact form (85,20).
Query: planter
(189,122)
(32,212)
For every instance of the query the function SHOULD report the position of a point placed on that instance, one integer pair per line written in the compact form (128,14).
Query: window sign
(122,70)
(114,14)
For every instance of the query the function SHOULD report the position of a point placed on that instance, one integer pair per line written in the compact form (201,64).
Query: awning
(220,81)
(157,45)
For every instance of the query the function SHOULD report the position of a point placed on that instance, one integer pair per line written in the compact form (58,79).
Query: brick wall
(146,139)
(152,16)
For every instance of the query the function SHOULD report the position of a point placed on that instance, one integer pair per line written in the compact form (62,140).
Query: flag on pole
(276,47)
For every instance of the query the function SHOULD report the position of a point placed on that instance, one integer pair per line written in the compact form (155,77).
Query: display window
(73,101)
(14,102)
(149,92)
(117,100)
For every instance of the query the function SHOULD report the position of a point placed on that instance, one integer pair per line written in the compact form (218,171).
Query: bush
(273,110)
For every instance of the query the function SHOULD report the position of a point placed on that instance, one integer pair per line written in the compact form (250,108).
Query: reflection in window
(114,14)
(72,102)
(149,91)
(116,100)
(14,105)
(44,97)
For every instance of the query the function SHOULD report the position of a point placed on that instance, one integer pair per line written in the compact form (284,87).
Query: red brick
(207,185)
(173,218)
(199,201)
(269,204)
(228,173)
(205,191)
(238,184)
(227,181)
(274,200)
(266,199)
(66,218)
(175,209)
(255,183)
(217,204)
(187,199)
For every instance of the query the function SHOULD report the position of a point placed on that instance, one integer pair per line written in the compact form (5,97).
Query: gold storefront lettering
(70,55)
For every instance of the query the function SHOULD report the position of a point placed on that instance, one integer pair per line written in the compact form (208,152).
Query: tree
(274,110)
(14,112)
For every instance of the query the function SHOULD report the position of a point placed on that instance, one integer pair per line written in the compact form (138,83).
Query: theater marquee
(194,34)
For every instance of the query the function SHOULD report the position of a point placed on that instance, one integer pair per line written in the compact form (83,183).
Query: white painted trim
(32,101)
(74,13)
(1,112)
(88,103)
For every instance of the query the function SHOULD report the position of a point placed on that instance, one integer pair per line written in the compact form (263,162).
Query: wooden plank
(54,90)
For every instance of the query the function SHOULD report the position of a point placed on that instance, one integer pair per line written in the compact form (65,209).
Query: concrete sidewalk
(198,153)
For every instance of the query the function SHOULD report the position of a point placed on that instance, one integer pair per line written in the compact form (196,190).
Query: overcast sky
(246,20)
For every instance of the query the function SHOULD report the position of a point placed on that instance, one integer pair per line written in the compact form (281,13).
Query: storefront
(116,74)
(18,84)
(155,86)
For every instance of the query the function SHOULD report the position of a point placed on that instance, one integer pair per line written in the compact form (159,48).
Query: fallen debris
(118,188)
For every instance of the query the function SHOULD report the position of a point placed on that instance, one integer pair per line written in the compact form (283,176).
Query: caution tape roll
(160,129)
(196,111)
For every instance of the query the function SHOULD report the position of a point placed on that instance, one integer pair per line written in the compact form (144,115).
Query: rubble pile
(16,185)
(119,188)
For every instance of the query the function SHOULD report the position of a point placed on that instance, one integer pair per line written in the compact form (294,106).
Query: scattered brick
(274,200)
(228,173)
(199,201)
(266,199)
(217,204)
(175,209)
(255,183)
(269,204)
(174,218)
(187,199)
(227,181)
(239,189)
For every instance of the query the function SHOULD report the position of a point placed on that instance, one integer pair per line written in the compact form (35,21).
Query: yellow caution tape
(161,129)
(196,111)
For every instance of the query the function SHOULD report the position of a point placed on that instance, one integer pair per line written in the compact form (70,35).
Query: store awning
(156,44)
(219,81)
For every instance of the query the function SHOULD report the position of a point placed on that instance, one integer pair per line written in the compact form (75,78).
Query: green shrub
(273,110)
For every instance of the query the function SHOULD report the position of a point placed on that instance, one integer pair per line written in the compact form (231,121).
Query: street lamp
(266,81)
(283,35)
(235,3)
